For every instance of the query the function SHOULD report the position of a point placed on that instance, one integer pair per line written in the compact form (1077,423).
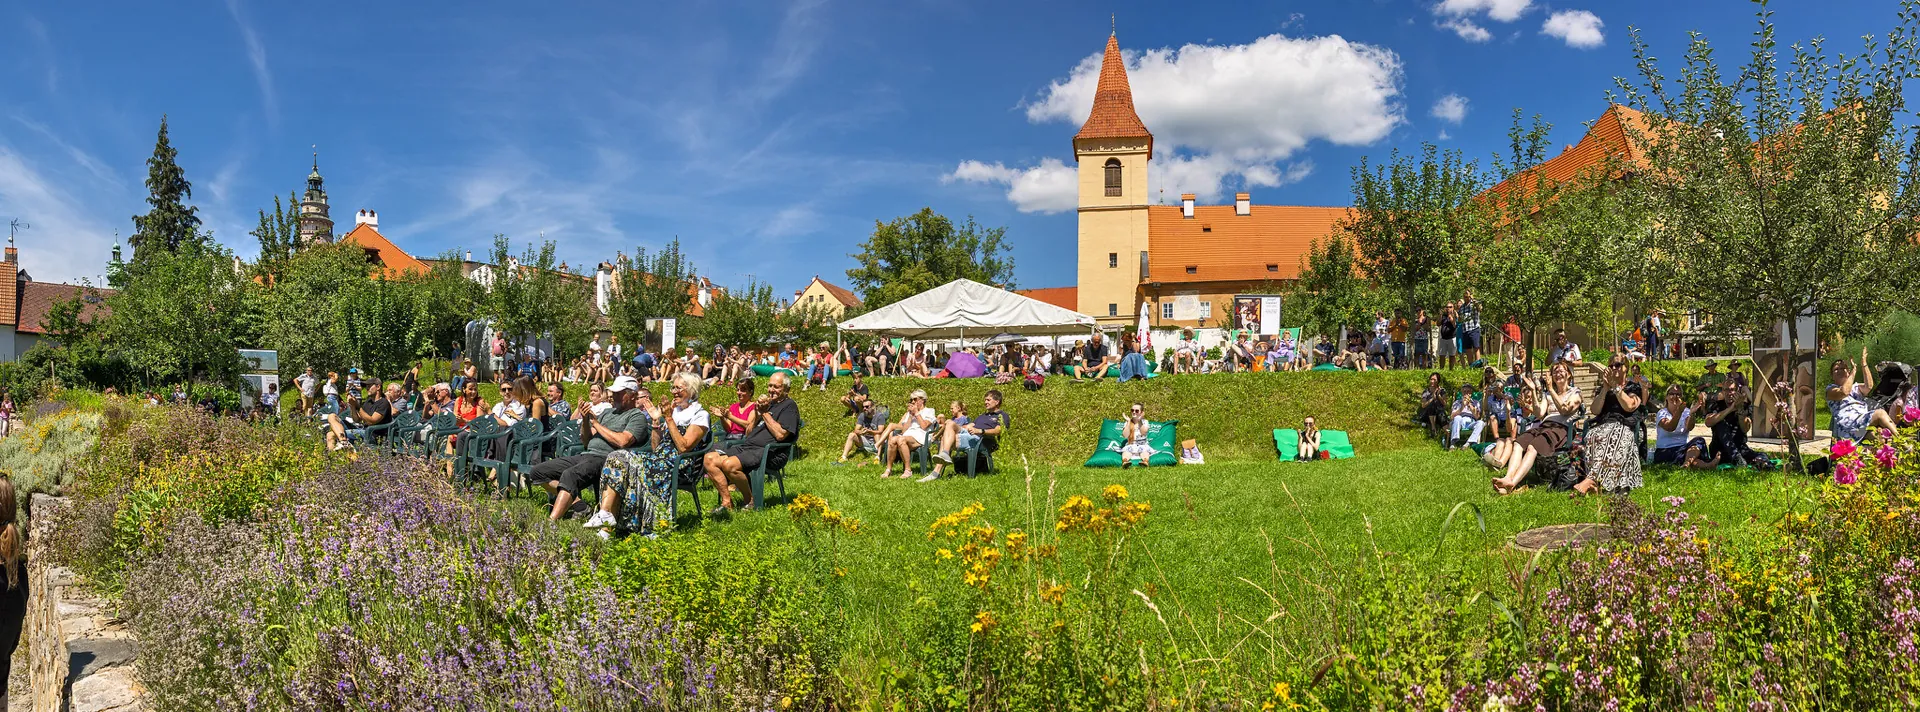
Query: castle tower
(315,226)
(1112,149)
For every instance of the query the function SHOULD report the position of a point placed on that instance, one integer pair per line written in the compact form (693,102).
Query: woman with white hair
(640,485)
(909,433)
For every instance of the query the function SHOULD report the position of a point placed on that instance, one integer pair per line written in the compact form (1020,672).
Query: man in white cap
(620,428)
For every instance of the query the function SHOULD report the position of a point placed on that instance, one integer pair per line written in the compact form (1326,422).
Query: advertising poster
(1770,367)
(1257,313)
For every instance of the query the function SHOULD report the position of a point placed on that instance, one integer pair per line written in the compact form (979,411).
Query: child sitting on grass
(1309,441)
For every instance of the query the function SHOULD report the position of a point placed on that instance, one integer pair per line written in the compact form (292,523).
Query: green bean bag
(761,369)
(1328,367)
(1161,435)
(1286,443)
(842,373)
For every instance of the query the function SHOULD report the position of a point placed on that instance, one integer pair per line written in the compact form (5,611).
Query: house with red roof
(25,304)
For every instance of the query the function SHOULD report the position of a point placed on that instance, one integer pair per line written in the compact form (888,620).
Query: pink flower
(1847,473)
(1886,455)
(1842,448)
(1913,414)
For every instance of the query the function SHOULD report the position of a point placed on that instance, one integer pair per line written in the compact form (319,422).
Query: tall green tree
(1555,245)
(169,222)
(807,324)
(1412,223)
(176,317)
(279,236)
(530,298)
(306,306)
(1786,188)
(380,326)
(912,254)
(651,286)
(1330,294)
(745,317)
(448,300)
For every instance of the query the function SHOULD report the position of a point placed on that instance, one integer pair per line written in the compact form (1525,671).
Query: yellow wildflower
(1113,493)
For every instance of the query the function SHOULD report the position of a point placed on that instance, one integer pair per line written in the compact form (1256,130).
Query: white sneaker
(943,458)
(598,520)
(931,476)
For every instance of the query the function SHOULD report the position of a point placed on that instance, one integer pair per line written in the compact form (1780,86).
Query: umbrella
(1004,339)
(965,365)
(1143,336)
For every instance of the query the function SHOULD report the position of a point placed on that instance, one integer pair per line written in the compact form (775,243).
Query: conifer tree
(170,222)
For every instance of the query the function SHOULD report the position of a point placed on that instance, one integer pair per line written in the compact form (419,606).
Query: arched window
(1113,177)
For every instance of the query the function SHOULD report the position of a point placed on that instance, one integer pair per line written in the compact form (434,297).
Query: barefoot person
(1612,457)
(909,433)
(1554,412)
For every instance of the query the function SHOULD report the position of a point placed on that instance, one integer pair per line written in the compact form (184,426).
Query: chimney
(368,218)
(13,255)
(1243,203)
(469,255)
(1186,205)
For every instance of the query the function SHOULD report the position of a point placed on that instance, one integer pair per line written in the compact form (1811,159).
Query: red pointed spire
(1113,115)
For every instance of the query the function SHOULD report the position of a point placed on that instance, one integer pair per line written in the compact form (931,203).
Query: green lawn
(1214,525)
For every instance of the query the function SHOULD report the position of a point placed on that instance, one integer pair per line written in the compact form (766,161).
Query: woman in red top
(738,416)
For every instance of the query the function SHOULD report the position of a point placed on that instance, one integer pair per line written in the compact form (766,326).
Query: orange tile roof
(1608,136)
(1222,246)
(1064,297)
(1113,115)
(396,261)
(38,298)
(840,294)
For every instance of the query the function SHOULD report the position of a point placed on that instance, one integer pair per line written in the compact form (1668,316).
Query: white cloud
(1444,135)
(1467,30)
(1500,10)
(67,242)
(1219,112)
(257,56)
(1451,108)
(1046,188)
(791,221)
(1579,28)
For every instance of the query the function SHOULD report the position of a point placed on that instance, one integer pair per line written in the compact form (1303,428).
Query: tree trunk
(1793,363)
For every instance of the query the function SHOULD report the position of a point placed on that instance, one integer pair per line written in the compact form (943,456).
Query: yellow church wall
(1112,229)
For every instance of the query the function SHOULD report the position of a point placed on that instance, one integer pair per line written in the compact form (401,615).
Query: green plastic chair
(476,443)
(503,468)
(757,479)
(400,438)
(566,440)
(524,450)
(438,428)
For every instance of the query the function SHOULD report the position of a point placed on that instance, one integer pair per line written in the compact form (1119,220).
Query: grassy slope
(1216,524)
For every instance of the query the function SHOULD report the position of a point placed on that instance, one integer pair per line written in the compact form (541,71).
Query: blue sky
(770,136)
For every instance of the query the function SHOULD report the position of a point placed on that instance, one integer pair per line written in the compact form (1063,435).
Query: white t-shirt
(613,350)
(332,390)
(509,412)
(691,415)
(913,429)
(600,409)
(1187,346)
(1570,352)
(1664,438)
(305,383)
(595,346)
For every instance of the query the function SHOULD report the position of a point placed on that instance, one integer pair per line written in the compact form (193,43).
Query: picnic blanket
(1160,439)
(1286,442)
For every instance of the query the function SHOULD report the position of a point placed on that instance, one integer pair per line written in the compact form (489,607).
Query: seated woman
(639,484)
(1850,402)
(1671,427)
(1465,419)
(1554,412)
(1134,435)
(1187,353)
(1729,418)
(1133,364)
(736,418)
(1613,460)
(909,433)
(914,364)
(1309,441)
(1433,405)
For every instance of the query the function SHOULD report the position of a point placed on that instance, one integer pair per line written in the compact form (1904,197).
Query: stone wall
(81,657)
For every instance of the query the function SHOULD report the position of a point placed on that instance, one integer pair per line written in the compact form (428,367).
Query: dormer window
(1193,269)
(1113,177)
(1271,267)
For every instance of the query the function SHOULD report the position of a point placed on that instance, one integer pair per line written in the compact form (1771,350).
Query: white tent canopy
(962,307)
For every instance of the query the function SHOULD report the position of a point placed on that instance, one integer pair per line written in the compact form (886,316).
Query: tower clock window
(1113,177)
(1113,260)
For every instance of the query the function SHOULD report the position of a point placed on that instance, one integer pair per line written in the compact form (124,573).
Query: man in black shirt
(1095,360)
(855,395)
(342,432)
(777,420)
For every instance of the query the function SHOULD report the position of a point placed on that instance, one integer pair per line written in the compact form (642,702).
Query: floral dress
(646,484)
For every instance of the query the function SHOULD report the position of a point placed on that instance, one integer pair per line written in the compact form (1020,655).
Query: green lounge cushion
(1161,436)
(761,369)
(1286,444)
(1328,367)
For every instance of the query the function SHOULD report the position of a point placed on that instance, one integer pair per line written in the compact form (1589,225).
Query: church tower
(1112,149)
(315,226)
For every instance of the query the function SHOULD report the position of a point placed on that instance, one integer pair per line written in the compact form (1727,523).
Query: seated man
(869,427)
(777,421)
(1562,350)
(643,363)
(856,394)
(1095,361)
(621,426)
(1238,355)
(982,431)
(1466,419)
(360,415)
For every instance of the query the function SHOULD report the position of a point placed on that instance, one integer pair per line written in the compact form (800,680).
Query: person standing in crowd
(308,387)
(1397,331)
(1650,329)
(1422,339)
(1449,343)
(497,358)
(1469,328)
(1563,350)
(777,421)
(621,427)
